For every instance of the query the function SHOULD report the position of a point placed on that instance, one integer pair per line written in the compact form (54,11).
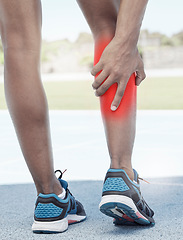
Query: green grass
(154,93)
(71,95)
(161,93)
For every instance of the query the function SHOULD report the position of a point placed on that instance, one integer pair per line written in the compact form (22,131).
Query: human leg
(20,27)
(119,125)
(121,197)
(20,24)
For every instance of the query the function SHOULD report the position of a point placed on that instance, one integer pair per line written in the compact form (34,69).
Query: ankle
(129,172)
(128,169)
(52,186)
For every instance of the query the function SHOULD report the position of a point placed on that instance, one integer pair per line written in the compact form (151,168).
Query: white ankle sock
(62,195)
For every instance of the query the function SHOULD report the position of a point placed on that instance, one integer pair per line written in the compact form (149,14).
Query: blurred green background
(63,58)
(153,93)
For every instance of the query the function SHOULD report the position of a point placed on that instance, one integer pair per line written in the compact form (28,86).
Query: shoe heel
(109,205)
(50,227)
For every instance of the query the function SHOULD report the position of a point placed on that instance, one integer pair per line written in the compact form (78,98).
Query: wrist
(126,44)
(127,38)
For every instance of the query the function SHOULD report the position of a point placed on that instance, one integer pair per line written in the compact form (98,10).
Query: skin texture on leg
(128,101)
(119,125)
(20,27)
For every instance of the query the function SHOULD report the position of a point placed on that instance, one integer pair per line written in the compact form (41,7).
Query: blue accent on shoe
(106,209)
(63,183)
(51,208)
(115,184)
(121,170)
(48,210)
(55,196)
(114,170)
(118,183)
(135,175)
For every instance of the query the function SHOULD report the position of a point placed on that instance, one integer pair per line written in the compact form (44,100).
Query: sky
(63,18)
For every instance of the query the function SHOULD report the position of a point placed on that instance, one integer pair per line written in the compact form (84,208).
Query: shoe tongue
(63,183)
(135,175)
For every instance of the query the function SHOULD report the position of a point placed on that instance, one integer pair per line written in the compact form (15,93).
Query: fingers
(99,80)
(104,87)
(96,69)
(140,76)
(118,96)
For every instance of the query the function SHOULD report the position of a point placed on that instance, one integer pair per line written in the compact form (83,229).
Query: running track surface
(164,195)
(79,145)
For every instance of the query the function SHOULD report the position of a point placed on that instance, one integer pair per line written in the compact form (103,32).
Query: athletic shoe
(53,214)
(122,199)
(124,220)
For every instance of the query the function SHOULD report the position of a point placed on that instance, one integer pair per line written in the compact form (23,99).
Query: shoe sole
(124,221)
(117,205)
(56,226)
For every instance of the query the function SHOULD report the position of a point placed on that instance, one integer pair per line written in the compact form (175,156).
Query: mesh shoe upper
(117,182)
(49,207)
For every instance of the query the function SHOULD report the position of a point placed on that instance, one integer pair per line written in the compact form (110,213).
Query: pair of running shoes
(121,200)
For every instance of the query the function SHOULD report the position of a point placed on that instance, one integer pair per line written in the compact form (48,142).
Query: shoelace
(61,173)
(143,180)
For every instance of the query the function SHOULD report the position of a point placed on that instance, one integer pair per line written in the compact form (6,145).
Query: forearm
(129,22)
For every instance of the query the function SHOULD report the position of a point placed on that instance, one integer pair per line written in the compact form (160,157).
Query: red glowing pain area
(128,101)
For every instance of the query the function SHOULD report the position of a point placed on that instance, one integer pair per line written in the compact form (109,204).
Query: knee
(20,36)
(19,40)
(20,45)
(20,24)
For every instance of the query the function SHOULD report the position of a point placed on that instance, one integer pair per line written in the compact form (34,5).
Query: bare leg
(120,125)
(20,27)
(121,196)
